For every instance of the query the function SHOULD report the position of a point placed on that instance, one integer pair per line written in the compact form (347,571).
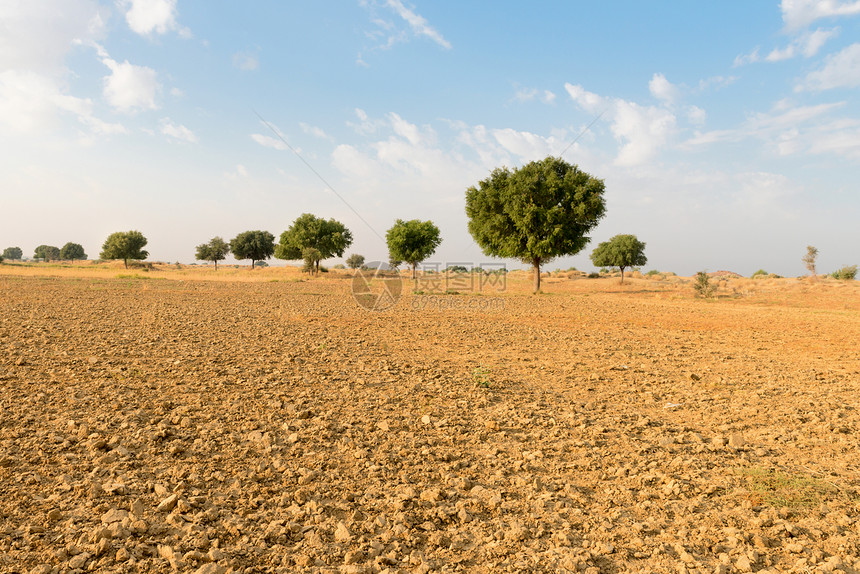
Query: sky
(727,133)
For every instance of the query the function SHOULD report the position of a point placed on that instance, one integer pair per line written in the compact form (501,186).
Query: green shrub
(594,275)
(847,273)
(761,272)
(702,285)
(652,272)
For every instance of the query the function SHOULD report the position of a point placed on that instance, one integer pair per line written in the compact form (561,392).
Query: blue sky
(728,133)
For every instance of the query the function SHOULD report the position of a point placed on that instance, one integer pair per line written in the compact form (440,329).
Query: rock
(168,503)
(383,426)
(426,419)
(41,569)
(211,568)
(743,563)
(79,561)
(137,507)
(432,495)
(736,440)
(114,515)
(55,515)
(122,554)
(342,534)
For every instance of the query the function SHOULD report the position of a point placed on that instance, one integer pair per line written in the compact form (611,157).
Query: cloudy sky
(728,133)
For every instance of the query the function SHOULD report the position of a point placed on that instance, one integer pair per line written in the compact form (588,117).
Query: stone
(114,515)
(211,568)
(168,503)
(426,419)
(743,563)
(342,534)
(79,561)
(736,440)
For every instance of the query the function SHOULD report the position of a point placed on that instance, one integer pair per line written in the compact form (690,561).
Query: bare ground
(156,425)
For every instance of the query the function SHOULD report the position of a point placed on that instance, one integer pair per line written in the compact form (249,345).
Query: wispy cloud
(146,17)
(800,13)
(389,32)
(840,70)
(176,131)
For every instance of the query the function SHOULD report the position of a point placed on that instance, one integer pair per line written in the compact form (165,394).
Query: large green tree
(328,236)
(47,252)
(72,251)
(15,253)
(124,245)
(621,251)
(535,213)
(253,245)
(412,241)
(216,250)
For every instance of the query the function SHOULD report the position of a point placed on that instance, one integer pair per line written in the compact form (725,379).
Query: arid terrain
(182,421)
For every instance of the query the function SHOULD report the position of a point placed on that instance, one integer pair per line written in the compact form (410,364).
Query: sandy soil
(161,425)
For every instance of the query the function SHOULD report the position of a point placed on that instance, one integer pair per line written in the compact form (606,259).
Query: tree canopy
(124,245)
(253,245)
(412,241)
(809,259)
(47,252)
(355,261)
(329,237)
(15,253)
(72,251)
(535,213)
(216,250)
(621,251)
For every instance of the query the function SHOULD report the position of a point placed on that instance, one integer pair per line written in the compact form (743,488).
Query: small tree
(329,237)
(15,253)
(535,213)
(72,251)
(621,251)
(412,241)
(809,259)
(253,245)
(702,285)
(394,263)
(847,273)
(216,250)
(355,261)
(47,252)
(311,256)
(124,245)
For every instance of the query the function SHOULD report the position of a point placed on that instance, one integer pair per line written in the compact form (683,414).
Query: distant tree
(535,213)
(329,237)
(72,251)
(13,253)
(355,261)
(47,252)
(124,245)
(311,257)
(702,285)
(412,241)
(216,250)
(394,263)
(847,273)
(621,251)
(809,259)
(253,245)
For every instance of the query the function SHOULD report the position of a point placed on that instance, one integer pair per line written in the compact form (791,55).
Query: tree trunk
(537,275)
(622,275)
(413,270)
(126,263)
(252,263)
(216,265)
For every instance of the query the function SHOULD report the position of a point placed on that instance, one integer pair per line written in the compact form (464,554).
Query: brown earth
(161,425)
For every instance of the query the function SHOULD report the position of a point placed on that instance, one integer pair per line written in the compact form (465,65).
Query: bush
(594,275)
(848,273)
(761,272)
(652,272)
(340,266)
(702,285)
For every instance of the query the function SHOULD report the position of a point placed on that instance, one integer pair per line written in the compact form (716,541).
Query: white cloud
(663,89)
(641,130)
(800,13)
(696,115)
(529,94)
(418,23)
(130,88)
(744,59)
(527,146)
(717,82)
(314,131)
(268,141)
(146,17)
(177,131)
(246,61)
(808,45)
(840,70)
